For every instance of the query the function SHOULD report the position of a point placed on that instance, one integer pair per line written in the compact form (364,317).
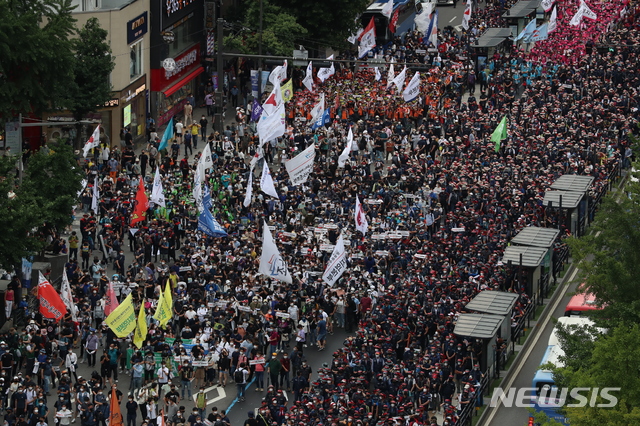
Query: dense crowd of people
(442,205)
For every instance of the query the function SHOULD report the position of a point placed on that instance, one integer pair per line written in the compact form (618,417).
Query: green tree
(610,257)
(21,215)
(279,31)
(36,53)
(613,364)
(329,23)
(53,179)
(92,64)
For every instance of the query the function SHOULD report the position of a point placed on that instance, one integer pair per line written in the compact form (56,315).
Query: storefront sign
(174,6)
(130,94)
(137,27)
(114,102)
(209,15)
(183,62)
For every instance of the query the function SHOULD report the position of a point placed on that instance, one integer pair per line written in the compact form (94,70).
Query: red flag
(51,305)
(142,205)
(112,301)
(394,21)
(115,415)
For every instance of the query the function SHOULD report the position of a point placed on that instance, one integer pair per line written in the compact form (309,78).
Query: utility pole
(219,124)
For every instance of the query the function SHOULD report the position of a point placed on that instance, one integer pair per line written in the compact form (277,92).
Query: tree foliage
(613,363)
(56,172)
(43,201)
(36,55)
(328,22)
(93,63)
(290,23)
(279,31)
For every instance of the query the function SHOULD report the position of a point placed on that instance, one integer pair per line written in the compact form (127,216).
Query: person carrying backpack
(240,377)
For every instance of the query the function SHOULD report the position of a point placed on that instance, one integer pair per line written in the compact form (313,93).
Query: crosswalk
(217,389)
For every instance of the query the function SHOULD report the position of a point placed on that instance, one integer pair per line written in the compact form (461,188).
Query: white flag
(249,194)
(587,12)
(93,141)
(300,166)
(553,20)
(273,102)
(271,263)
(318,110)
(466,16)
(400,78)
(259,154)
(95,201)
(547,4)
(361,219)
(337,263)
(325,73)
(157,192)
(413,88)
(197,190)
(390,75)
(423,19)
(347,150)
(272,126)
(308,78)
(206,162)
(367,39)
(353,38)
(279,74)
(266,182)
(387,9)
(67,296)
(378,75)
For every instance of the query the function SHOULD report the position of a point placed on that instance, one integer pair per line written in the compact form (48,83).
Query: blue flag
(256,111)
(323,120)
(206,198)
(527,31)
(208,225)
(540,33)
(168,134)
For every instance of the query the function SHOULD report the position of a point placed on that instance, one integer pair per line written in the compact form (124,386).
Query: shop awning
(187,78)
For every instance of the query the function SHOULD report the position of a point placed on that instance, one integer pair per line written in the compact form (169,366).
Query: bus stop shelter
(533,236)
(529,260)
(498,303)
(484,327)
(571,192)
(493,39)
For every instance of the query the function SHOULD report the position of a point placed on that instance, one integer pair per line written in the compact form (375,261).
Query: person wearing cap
(273,369)
(251,420)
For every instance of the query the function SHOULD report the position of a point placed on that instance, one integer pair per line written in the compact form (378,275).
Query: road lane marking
(531,347)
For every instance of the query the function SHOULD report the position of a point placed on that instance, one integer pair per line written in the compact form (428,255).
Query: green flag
(500,133)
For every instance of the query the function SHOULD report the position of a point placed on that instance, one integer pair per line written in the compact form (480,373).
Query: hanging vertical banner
(337,263)
(254,83)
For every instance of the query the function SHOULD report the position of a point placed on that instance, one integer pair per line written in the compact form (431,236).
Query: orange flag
(115,418)
(142,205)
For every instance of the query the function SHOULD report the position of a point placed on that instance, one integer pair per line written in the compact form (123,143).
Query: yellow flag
(287,91)
(141,330)
(122,320)
(159,307)
(164,311)
(168,300)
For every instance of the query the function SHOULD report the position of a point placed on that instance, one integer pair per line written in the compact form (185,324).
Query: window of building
(135,65)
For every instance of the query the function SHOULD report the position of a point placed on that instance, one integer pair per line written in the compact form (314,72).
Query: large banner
(300,166)
(122,320)
(271,263)
(337,263)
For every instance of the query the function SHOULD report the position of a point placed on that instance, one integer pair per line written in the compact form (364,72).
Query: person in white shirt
(71,363)
(179,127)
(64,416)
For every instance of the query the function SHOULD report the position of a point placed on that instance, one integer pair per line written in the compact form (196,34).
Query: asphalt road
(524,373)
